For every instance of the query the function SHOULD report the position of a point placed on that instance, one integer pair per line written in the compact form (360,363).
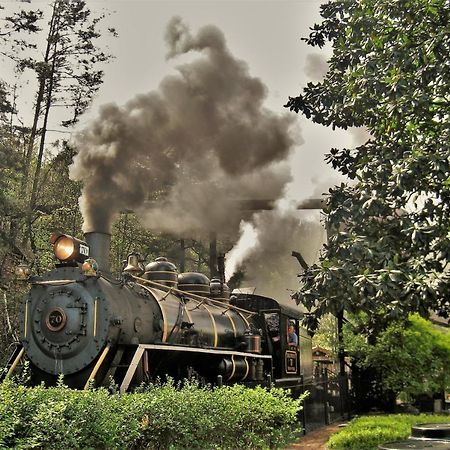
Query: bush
(159,417)
(366,433)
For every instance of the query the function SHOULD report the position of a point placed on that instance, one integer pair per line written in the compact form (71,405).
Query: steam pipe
(255,204)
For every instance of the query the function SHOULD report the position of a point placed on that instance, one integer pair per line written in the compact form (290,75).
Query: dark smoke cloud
(268,265)
(197,143)
(204,205)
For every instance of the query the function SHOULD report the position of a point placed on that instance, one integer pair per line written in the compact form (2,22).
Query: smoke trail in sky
(191,149)
(195,145)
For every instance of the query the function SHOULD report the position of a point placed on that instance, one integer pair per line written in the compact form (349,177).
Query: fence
(328,401)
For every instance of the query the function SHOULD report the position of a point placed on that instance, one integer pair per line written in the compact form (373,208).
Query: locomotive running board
(176,348)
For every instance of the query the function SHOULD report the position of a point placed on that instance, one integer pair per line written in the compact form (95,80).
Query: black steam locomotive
(81,322)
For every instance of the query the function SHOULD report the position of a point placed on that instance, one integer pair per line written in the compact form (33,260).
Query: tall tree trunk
(39,99)
(182,256)
(48,105)
(51,42)
(213,254)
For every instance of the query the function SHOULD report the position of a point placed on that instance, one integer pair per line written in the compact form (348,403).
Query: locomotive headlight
(67,248)
(64,248)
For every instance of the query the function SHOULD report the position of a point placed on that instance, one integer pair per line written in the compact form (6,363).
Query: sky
(265,34)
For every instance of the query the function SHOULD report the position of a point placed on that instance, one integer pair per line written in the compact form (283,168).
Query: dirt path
(315,440)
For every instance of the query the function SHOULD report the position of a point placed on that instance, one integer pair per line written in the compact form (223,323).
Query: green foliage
(68,61)
(326,335)
(160,417)
(390,73)
(129,235)
(366,433)
(411,357)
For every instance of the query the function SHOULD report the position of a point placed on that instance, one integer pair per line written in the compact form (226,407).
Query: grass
(367,432)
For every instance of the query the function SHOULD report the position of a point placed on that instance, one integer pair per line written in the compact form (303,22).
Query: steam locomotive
(81,322)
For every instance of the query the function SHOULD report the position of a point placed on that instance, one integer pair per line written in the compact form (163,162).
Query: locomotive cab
(291,361)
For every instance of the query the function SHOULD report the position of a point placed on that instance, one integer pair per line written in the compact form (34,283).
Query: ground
(316,440)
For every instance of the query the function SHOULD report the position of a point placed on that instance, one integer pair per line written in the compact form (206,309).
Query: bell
(133,266)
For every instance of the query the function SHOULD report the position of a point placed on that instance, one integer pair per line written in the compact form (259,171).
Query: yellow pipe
(232,323)
(233,368)
(163,312)
(14,364)
(216,339)
(97,366)
(25,328)
(95,317)
(243,318)
(247,369)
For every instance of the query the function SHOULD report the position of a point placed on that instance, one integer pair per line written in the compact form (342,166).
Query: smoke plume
(189,149)
(265,248)
(183,155)
(248,239)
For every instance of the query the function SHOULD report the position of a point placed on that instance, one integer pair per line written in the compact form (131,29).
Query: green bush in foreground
(163,417)
(366,433)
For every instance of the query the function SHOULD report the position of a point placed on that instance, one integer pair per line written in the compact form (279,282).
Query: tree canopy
(389,244)
(412,357)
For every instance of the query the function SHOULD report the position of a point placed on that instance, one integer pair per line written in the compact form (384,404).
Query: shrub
(159,417)
(231,417)
(366,433)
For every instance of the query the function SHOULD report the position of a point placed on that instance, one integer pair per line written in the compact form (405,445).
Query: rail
(196,297)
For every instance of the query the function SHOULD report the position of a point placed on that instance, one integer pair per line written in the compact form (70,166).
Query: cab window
(292,333)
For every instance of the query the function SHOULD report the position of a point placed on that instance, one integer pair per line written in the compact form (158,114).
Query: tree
(326,334)
(128,235)
(414,347)
(31,207)
(67,74)
(58,207)
(11,146)
(389,249)
(58,211)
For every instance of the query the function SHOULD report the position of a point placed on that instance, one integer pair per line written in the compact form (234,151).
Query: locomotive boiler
(81,322)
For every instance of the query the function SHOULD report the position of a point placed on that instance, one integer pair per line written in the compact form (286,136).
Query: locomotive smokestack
(221,267)
(99,244)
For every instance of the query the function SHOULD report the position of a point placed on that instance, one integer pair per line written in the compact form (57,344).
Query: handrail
(193,296)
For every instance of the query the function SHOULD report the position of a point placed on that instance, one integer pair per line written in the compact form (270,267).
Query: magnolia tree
(389,225)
